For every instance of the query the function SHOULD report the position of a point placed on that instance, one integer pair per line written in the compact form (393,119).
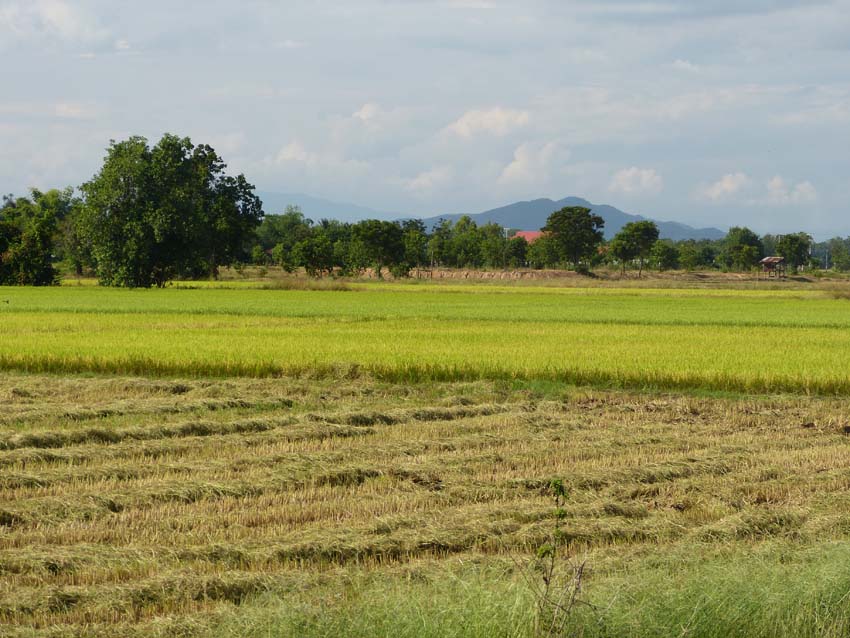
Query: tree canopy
(151,214)
(576,232)
(28,236)
(635,241)
(795,248)
(742,249)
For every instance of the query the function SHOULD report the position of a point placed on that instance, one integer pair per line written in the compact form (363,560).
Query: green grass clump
(782,591)
(489,605)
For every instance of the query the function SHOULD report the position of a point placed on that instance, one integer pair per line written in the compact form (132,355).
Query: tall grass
(489,605)
(781,592)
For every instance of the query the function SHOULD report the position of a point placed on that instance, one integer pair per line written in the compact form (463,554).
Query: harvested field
(162,507)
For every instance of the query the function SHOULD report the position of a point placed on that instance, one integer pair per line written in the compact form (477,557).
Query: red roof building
(530,236)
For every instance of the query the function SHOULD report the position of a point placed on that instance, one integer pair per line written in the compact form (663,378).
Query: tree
(439,245)
(839,253)
(634,241)
(151,214)
(576,232)
(544,252)
(281,232)
(415,239)
(517,252)
(28,227)
(742,249)
(696,254)
(795,248)
(664,255)
(315,254)
(493,245)
(466,243)
(382,242)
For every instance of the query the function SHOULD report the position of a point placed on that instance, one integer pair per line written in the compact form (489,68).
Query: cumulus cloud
(726,187)
(495,121)
(636,181)
(533,163)
(780,193)
(427,181)
(295,153)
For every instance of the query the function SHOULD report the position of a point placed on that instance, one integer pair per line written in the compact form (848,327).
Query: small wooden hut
(773,267)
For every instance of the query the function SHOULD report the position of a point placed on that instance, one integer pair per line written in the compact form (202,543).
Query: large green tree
(634,241)
(742,249)
(577,233)
(151,214)
(383,243)
(544,252)
(516,252)
(28,231)
(415,238)
(839,253)
(795,248)
(664,255)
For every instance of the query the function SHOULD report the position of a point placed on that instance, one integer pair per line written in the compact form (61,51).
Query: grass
(240,506)
(774,592)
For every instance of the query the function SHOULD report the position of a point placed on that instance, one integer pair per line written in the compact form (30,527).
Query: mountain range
(528,215)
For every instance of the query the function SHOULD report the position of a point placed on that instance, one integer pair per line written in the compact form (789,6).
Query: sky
(713,113)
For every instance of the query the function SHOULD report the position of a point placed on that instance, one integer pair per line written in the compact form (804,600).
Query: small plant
(555,579)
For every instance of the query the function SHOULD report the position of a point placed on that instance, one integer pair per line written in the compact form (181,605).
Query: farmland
(728,340)
(374,461)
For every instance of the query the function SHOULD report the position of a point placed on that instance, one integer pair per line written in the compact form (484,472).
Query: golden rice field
(731,340)
(374,461)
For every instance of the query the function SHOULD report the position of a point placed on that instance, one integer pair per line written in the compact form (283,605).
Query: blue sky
(710,113)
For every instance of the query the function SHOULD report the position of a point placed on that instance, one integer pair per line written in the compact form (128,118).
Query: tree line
(155,213)
(572,238)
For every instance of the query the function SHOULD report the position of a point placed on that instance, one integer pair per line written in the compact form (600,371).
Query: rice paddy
(374,461)
(728,340)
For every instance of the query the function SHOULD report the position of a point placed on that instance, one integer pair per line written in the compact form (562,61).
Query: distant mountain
(532,216)
(316,208)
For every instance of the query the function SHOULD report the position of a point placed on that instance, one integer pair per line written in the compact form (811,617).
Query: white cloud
(495,121)
(428,181)
(324,162)
(533,163)
(684,65)
(122,45)
(636,181)
(726,187)
(51,19)
(780,193)
(228,143)
(367,112)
